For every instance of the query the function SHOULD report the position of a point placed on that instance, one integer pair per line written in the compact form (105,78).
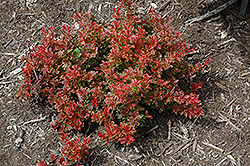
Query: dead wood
(213,12)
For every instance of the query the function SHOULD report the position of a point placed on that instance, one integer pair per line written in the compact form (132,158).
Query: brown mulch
(220,137)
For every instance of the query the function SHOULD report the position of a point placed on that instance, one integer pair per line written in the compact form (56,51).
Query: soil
(220,137)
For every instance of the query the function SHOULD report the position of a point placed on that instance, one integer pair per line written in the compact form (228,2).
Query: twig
(16,71)
(184,130)
(213,146)
(27,156)
(8,43)
(191,126)
(169,130)
(225,42)
(213,12)
(221,161)
(186,146)
(194,145)
(231,158)
(8,54)
(163,163)
(35,120)
(220,86)
(153,129)
(193,52)
(229,116)
(230,150)
(180,137)
(155,160)
(245,74)
(230,103)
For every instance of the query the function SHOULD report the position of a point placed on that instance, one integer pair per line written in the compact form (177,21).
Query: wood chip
(181,146)
(194,145)
(27,156)
(117,157)
(213,146)
(233,125)
(230,150)
(186,146)
(165,148)
(238,163)
(9,82)
(201,151)
(224,159)
(220,86)
(245,74)
(164,5)
(134,157)
(231,158)
(16,71)
(229,103)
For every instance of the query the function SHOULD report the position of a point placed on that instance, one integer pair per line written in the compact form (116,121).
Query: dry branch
(36,120)
(213,12)
(153,129)
(213,146)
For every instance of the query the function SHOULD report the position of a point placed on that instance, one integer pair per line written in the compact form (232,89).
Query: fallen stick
(213,146)
(169,130)
(153,129)
(35,120)
(213,12)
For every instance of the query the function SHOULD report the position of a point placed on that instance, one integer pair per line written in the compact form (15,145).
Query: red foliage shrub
(74,150)
(105,73)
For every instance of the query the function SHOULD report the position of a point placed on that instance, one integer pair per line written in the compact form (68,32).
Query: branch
(213,12)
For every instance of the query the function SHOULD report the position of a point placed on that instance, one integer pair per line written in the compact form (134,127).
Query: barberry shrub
(108,72)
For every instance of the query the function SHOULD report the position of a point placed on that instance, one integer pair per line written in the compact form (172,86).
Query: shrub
(109,73)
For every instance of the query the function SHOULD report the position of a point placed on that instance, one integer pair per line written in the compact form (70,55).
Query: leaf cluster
(107,72)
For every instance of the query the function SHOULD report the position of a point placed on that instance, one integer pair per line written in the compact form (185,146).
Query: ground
(220,137)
